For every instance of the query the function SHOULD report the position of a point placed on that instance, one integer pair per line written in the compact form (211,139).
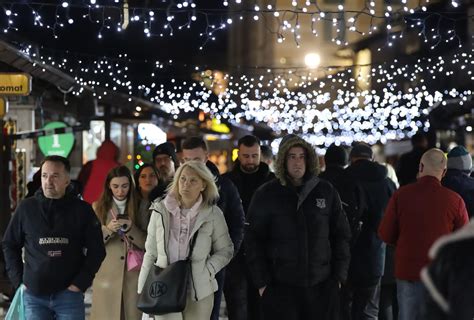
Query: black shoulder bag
(165,290)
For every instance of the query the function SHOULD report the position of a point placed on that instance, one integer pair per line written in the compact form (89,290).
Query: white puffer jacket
(212,252)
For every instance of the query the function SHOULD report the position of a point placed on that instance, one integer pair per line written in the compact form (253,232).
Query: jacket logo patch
(57,240)
(321,203)
(55,254)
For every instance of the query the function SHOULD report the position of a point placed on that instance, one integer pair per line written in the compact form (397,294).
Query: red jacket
(95,172)
(416,216)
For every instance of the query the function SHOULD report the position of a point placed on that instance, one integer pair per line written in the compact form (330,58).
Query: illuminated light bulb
(312,60)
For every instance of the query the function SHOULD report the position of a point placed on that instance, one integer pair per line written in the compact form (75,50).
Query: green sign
(56,144)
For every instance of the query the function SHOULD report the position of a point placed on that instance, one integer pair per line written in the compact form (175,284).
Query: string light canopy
(165,18)
(326,103)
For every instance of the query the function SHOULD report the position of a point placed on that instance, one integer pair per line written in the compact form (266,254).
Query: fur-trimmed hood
(312,162)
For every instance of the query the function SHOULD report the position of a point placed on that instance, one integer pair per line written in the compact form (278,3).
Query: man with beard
(248,175)
(195,148)
(166,162)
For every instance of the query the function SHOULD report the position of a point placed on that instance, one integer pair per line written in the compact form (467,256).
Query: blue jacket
(462,184)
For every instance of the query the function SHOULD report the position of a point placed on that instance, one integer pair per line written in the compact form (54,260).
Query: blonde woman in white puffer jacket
(189,208)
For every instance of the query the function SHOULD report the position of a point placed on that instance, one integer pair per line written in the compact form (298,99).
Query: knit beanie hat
(460,159)
(168,149)
(336,155)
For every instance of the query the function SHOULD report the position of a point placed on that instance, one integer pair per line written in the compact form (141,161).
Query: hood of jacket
(312,162)
(366,170)
(108,151)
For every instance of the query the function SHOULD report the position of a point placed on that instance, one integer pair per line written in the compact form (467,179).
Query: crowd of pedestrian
(275,236)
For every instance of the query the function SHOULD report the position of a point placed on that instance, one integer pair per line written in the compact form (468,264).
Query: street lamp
(312,60)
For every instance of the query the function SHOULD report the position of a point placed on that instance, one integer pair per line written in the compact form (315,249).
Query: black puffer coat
(297,239)
(449,278)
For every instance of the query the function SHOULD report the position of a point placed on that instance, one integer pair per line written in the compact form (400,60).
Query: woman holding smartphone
(114,293)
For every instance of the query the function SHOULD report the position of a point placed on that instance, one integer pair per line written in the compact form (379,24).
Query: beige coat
(212,252)
(113,283)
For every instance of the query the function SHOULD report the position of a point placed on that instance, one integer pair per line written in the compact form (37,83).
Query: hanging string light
(168,17)
(326,102)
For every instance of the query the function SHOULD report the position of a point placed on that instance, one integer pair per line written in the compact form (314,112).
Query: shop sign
(15,84)
(56,144)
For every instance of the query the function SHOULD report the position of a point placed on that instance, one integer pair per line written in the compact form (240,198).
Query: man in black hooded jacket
(297,239)
(63,245)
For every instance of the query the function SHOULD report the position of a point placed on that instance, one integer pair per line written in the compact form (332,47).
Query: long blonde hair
(209,195)
(105,202)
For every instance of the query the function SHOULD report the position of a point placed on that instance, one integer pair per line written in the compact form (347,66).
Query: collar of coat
(466,232)
(204,214)
(172,205)
(308,186)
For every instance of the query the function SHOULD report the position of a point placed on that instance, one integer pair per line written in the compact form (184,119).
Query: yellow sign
(217,126)
(3,107)
(15,84)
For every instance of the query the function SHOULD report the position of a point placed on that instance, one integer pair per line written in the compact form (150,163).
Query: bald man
(416,216)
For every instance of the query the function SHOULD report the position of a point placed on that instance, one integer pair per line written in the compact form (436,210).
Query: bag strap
(193,242)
